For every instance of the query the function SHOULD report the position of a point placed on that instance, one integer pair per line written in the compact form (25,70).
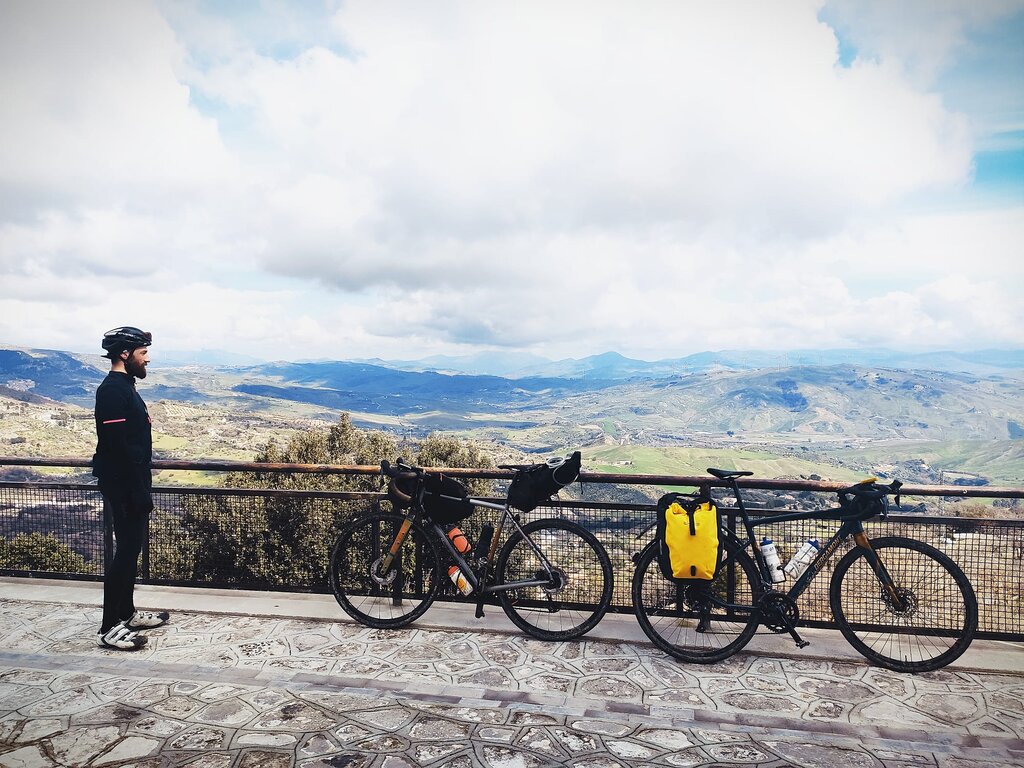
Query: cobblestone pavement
(223,691)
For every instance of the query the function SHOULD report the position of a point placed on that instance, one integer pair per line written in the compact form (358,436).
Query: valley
(836,422)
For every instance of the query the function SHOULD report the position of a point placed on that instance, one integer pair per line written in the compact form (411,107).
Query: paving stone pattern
(220,691)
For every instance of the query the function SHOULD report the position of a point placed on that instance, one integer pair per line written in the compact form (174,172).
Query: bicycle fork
(389,558)
(885,580)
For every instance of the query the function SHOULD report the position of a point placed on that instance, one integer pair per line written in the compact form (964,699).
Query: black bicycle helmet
(125,337)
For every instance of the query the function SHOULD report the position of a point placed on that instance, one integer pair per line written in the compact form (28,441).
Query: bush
(285,542)
(40,552)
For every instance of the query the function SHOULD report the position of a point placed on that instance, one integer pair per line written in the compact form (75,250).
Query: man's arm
(112,410)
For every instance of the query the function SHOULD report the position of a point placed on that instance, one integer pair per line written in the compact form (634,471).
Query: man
(124,452)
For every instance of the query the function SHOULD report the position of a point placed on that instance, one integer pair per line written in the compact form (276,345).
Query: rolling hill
(968,422)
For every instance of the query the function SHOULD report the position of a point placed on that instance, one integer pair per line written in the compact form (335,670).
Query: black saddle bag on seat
(534,485)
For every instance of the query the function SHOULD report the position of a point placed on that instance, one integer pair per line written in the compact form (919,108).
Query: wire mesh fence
(280,540)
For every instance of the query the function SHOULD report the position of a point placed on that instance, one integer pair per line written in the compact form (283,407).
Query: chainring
(779,612)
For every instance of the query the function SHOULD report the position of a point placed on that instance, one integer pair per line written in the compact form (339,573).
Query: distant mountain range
(817,394)
(45,373)
(613,366)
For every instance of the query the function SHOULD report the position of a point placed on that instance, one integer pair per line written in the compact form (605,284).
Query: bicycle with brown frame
(552,576)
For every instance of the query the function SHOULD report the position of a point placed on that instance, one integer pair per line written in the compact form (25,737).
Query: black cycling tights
(119,580)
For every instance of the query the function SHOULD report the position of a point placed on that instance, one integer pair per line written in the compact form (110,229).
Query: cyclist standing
(124,452)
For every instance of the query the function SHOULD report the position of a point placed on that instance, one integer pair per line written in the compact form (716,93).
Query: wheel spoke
(579,586)
(930,624)
(369,594)
(702,621)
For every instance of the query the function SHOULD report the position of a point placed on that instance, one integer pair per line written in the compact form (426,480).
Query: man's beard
(138,370)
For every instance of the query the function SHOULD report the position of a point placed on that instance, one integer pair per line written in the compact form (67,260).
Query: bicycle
(386,568)
(901,603)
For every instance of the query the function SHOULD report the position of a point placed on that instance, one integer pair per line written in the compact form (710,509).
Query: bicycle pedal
(800,642)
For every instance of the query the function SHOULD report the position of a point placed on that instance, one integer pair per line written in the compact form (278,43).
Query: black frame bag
(445,500)
(692,525)
(535,485)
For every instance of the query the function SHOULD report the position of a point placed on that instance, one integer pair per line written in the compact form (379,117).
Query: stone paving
(226,691)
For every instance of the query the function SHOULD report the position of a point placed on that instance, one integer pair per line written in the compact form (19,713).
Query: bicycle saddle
(725,474)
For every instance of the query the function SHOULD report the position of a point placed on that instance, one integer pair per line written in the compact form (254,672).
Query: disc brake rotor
(906,597)
(385,580)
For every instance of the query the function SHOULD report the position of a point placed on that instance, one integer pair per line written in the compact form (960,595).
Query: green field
(999,461)
(646,460)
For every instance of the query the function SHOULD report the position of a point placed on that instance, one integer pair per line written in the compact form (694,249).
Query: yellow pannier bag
(688,537)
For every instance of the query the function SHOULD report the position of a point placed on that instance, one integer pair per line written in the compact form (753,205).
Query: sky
(402,179)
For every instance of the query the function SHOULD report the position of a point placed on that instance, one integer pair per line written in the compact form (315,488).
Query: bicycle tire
(935,628)
(385,600)
(669,612)
(583,592)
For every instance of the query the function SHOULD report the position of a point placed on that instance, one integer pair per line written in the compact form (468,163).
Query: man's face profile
(136,362)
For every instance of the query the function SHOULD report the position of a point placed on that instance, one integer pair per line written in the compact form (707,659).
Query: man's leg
(119,579)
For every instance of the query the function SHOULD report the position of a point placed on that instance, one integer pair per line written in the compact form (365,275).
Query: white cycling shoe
(120,638)
(147,619)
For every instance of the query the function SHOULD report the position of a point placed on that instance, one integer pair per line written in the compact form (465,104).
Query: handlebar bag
(864,504)
(445,499)
(689,544)
(534,485)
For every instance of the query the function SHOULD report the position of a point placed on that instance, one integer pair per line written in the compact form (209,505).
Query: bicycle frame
(476,580)
(849,527)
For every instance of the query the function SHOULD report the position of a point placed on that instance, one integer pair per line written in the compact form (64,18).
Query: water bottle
(455,574)
(803,557)
(771,559)
(459,539)
(483,547)
(461,543)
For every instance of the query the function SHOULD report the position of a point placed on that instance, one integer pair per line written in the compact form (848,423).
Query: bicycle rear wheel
(929,623)
(367,593)
(574,598)
(700,622)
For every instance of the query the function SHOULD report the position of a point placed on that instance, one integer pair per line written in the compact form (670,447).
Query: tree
(439,450)
(272,540)
(40,552)
(264,540)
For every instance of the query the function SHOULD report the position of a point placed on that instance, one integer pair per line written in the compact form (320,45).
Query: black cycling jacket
(124,445)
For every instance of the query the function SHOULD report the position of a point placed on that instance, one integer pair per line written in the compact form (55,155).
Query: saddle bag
(689,540)
(534,485)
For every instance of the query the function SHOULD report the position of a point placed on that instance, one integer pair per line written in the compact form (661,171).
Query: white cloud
(490,118)
(93,111)
(923,36)
(402,180)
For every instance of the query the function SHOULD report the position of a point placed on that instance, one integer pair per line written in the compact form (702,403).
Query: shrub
(40,552)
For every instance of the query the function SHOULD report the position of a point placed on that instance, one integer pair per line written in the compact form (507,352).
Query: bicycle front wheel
(577,579)
(365,590)
(924,622)
(697,621)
